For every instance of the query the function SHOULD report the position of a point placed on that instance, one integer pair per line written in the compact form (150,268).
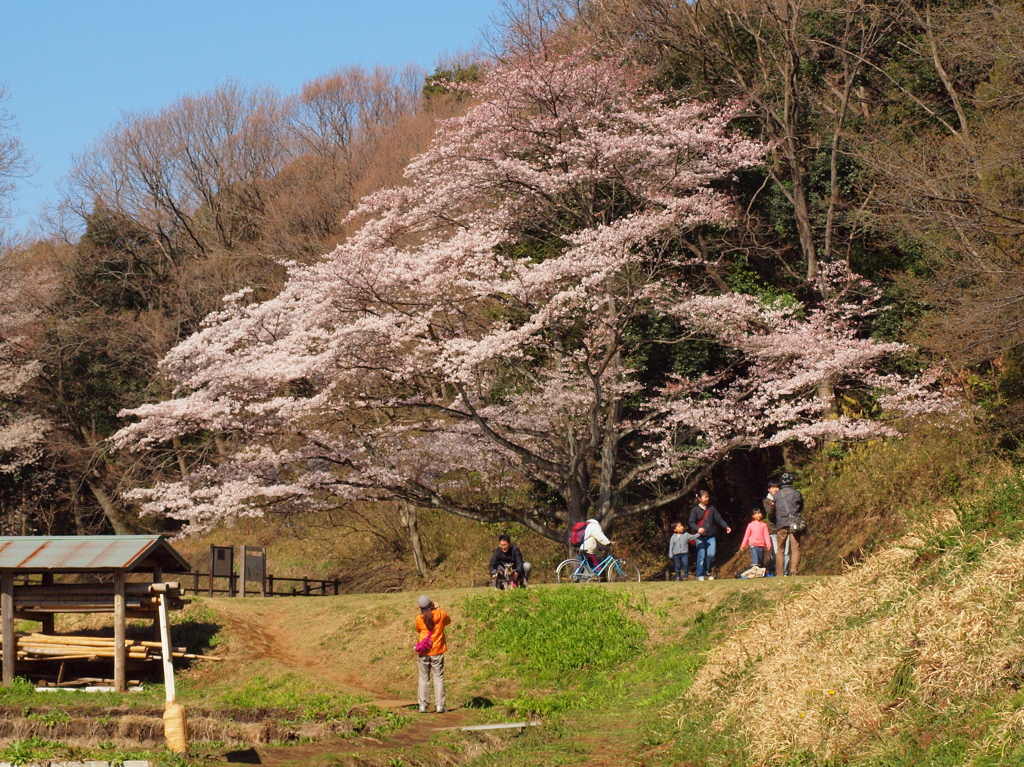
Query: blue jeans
(757,555)
(681,563)
(775,548)
(705,554)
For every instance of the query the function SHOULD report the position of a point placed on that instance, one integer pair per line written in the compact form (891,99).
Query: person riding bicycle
(593,537)
(508,554)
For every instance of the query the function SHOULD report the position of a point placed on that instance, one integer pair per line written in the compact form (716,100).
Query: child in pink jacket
(758,538)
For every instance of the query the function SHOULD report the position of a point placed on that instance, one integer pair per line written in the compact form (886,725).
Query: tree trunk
(827,395)
(76,510)
(179,452)
(408,518)
(113,514)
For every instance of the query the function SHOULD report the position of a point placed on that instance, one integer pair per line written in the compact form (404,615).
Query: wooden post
(195,582)
(305,586)
(165,648)
(120,655)
(46,621)
(270,585)
(241,591)
(158,577)
(335,587)
(7,618)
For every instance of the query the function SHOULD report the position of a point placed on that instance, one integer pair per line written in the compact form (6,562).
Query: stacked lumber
(94,597)
(37,646)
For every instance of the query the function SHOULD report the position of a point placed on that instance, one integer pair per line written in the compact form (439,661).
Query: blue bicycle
(613,569)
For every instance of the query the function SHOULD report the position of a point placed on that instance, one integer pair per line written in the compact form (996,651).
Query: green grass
(35,750)
(23,693)
(548,635)
(297,698)
(626,702)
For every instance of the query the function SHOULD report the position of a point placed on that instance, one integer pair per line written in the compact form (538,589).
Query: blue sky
(73,67)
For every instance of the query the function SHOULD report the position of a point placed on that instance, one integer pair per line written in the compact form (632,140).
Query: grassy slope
(317,659)
(912,657)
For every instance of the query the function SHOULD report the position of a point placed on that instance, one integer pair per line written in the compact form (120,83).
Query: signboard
(254,568)
(222,565)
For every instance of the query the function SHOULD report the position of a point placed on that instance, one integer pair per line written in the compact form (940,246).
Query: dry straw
(835,665)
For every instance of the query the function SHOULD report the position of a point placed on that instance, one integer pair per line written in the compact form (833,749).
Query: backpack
(578,532)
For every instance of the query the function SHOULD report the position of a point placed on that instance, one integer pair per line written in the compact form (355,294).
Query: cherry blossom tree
(22,432)
(483,342)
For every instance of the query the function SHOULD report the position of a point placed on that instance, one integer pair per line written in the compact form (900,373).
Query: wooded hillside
(647,247)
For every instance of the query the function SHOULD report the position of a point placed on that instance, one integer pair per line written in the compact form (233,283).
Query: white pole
(165,648)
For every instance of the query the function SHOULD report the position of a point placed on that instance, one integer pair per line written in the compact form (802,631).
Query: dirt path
(418,732)
(261,635)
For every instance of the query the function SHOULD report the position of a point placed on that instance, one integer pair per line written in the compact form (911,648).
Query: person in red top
(758,538)
(430,625)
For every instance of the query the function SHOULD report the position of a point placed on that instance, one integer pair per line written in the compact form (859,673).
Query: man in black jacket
(508,554)
(789,508)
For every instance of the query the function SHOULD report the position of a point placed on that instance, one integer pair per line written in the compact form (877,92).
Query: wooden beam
(120,656)
(7,619)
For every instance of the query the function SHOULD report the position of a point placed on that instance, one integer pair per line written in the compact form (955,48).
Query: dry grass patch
(839,661)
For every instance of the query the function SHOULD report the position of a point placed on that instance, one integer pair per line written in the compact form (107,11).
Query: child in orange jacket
(430,625)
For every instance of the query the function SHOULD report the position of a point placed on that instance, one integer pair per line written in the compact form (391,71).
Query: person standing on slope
(679,551)
(789,508)
(705,521)
(430,648)
(757,537)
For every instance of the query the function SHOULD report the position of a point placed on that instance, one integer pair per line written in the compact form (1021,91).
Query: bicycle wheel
(622,570)
(571,571)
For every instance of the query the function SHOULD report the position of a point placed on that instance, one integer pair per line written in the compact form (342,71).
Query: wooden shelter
(35,560)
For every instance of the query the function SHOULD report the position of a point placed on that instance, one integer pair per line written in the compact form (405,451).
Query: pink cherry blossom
(470,343)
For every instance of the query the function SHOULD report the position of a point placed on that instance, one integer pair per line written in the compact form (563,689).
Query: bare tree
(192,175)
(336,128)
(797,66)
(529,26)
(15,164)
(946,155)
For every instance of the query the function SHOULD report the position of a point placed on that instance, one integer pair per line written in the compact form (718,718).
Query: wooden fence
(211,585)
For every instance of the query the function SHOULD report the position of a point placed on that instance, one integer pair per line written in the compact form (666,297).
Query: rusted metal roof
(90,553)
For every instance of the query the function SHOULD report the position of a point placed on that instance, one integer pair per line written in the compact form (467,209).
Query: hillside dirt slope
(357,644)
(268,633)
